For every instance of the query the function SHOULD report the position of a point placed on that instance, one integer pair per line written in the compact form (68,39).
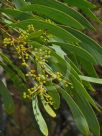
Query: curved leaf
(90,14)
(16,14)
(54,14)
(19,84)
(48,108)
(66,9)
(81,91)
(80,3)
(77,114)
(54,29)
(39,118)
(77,50)
(14,67)
(89,44)
(88,113)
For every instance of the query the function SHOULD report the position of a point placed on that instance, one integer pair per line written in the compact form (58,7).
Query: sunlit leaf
(48,108)
(39,118)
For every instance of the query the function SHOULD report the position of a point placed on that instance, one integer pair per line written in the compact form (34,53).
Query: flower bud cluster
(23,37)
(8,41)
(28,94)
(49,21)
(30,28)
(41,91)
(41,56)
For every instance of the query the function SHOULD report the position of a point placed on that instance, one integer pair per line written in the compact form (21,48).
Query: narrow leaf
(16,14)
(76,50)
(81,91)
(54,94)
(91,79)
(54,14)
(54,29)
(7,99)
(89,44)
(77,114)
(90,14)
(48,108)
(66,9)
(80,3)
(39,118)
(88,112)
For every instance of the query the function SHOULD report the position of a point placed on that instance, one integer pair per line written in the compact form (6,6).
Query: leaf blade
(77,114)
(39,118)
(54,29)
(7,99)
